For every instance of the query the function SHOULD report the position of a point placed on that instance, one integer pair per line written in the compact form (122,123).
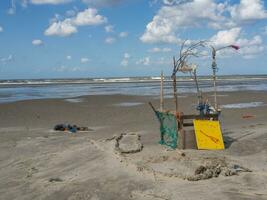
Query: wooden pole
(161,92)
(214,68)
(174,86)
(182,134)
(175,94)
(215,90)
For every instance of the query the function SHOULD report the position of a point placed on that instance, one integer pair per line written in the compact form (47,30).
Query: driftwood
(180,64)
(174,86)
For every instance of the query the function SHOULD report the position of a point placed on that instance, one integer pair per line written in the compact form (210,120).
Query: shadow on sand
(228,141)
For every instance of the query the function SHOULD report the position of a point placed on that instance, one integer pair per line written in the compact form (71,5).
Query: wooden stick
(174,86)
(215,90)
(161,92)
(153,108)
(175,94)
(214,68)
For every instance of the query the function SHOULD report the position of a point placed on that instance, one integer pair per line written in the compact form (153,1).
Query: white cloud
(50,1)
(56,18)
(154,50)
(1,29)
(176,15)
(24,3)
(70,13)
(167,2)
(12,9)
(126,55)
(109,29)
(158,50)
(249,48)
(248,10)
(125,60)
(5,60)
(85,60)
(64,68)
(226,37)
(256,40)
(61,68)
(69,26)
(88,17)
(61,28)
(170,19)
(166,49)
(110,40)
(172,2)
(37,42)
(68,57)
(250,52)
(102,2)
(164,61)
(123,34)
(144,61)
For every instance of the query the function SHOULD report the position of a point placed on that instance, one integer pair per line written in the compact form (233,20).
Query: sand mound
(189,167)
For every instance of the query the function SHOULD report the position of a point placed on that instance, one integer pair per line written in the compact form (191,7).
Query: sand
(39,163)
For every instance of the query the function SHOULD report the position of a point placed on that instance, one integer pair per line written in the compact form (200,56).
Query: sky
(114,38)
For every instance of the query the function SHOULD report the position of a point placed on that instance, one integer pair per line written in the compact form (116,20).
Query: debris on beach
(247,116)
(31,172)
(210,171)
(128,143)
(189,168)
(70,128)
(57,179)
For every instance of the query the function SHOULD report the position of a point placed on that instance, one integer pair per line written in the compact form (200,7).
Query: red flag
(235,47)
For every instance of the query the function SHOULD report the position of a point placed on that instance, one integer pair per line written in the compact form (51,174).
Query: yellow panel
(208,134)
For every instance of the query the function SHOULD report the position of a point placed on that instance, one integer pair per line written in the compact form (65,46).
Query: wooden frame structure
(183,120)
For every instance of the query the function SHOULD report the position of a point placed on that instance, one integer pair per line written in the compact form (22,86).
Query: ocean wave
(129,80)
(15,90)
(243,105)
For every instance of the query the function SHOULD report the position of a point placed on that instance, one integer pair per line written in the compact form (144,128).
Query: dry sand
(39,163)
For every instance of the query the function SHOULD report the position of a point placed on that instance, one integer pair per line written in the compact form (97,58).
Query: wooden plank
(161,92)
(208,134)
(182,139)
(188,124)
(199,117)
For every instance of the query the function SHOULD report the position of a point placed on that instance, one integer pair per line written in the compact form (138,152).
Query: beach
(37,162)
(133,100)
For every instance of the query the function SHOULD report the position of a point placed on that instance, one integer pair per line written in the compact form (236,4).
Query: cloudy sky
(100,38)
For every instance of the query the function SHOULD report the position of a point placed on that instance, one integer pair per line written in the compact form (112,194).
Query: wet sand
(39,163)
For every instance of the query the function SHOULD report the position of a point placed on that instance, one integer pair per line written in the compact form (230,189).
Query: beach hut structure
(179,130)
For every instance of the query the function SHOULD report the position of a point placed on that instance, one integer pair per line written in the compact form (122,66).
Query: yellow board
(208,134)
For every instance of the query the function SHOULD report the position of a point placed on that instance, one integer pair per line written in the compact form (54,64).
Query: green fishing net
(168,129)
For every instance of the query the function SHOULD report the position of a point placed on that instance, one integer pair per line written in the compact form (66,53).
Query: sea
(17,90)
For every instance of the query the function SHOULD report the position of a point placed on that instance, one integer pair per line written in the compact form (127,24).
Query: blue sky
(100,38)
